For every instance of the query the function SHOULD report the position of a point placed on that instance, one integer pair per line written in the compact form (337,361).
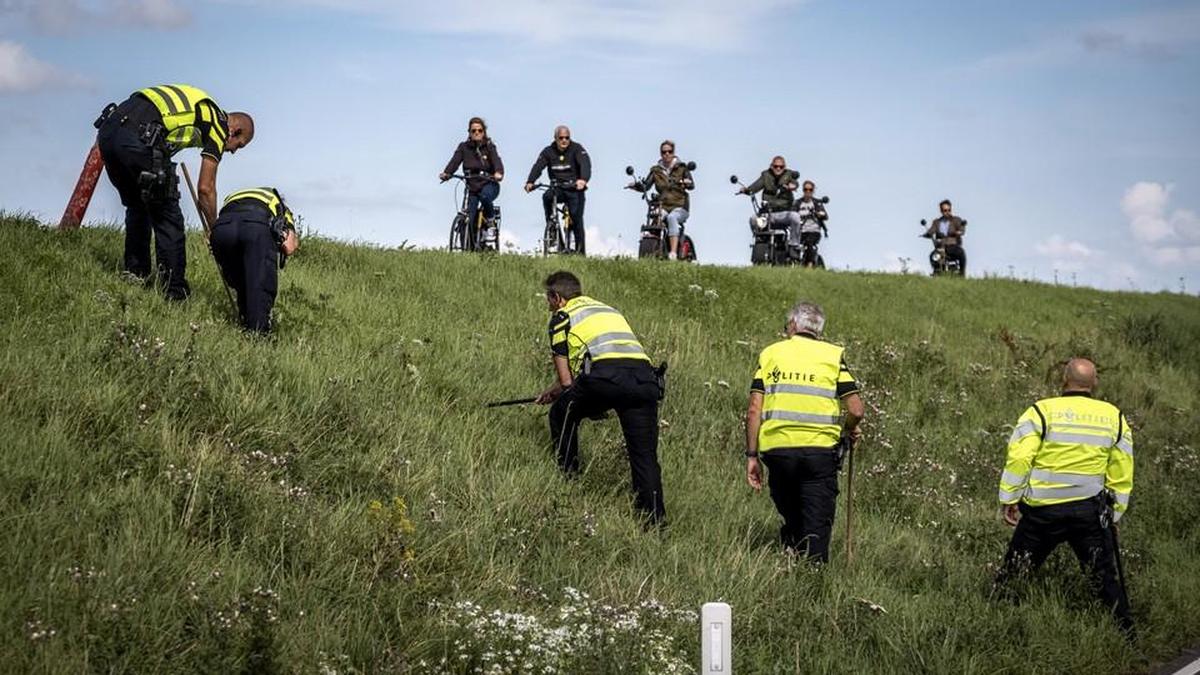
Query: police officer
(600,366)
(251,239)
(137,140)
(948,229)
(568,164)
(794,425)
(1068,477)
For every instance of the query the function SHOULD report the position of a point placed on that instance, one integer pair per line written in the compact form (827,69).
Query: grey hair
(808,318)
(561,127)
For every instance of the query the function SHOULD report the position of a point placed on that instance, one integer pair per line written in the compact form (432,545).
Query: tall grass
(176,496)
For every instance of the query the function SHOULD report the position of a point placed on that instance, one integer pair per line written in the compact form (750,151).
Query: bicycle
(653,243)
(770,245)
(938,260)
(558,237)
(482,236)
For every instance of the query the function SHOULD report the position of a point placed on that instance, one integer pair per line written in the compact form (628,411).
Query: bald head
(241,131)
(1079,375)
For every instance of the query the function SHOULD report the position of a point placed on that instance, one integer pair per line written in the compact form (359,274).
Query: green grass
(176,496)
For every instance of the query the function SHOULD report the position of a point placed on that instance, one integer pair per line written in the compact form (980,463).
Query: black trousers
(633,393)
(957,254)
(125,158)
(574,199)
(1042,528)
(809,242)
(249,260)
(804,487)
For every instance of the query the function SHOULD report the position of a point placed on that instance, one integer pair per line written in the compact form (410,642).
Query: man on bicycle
(778,185)
(948,230)
(570,169)
(484,170)
(812,223)
(671,179)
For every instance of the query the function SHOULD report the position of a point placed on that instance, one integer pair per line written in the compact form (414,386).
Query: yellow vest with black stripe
(1069,448)
(598,333)
(179,105)
(800,403)
(268,197)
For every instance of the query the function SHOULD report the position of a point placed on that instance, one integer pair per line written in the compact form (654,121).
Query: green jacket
(776,196)
(669,184)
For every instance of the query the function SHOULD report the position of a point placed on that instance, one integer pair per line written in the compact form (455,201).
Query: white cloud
(1068,255)
(1058,246)
(1152,36)
(70,16)
(20,71)
(1168,237)
(700,24)
(606,247)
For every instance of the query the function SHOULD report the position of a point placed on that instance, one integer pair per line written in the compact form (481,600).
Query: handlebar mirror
(733,179)
(923,222)
(629,171)
(691,166)
(824,200)
(964,222)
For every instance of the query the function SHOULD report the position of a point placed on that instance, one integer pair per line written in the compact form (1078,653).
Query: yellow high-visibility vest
(183,107)
(596,333)
(800,379)
(1069,448)
(267,196)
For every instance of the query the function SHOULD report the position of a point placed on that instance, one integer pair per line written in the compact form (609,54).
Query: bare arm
(563,379)
(854,414)
(207,189)
(753,422)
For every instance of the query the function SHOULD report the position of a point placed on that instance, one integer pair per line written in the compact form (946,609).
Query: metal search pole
(208,239)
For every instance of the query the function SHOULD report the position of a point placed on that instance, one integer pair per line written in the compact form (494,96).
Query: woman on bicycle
(484,169)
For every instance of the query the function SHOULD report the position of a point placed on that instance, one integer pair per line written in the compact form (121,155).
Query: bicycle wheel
(550,238)
(457,228)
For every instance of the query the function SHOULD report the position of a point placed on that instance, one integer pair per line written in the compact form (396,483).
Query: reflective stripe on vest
(800,404)
(265,195)
(179,106)
(598,333)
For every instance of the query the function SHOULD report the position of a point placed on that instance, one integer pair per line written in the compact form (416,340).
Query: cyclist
(778,185)
(948,229)
(567,162)
(484,170)
(812,222)
(672,179)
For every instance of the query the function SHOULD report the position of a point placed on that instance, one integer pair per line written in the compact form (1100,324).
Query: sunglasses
(666,152)
(562,138)
(808,189)
(777,166)
(477,131)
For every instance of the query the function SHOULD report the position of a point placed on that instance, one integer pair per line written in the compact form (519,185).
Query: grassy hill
(176,496)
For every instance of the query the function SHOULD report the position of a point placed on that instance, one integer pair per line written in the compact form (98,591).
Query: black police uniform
(631,388)
(247,251)
(128,139)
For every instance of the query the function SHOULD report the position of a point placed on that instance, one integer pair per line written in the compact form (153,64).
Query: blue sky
(1068,133)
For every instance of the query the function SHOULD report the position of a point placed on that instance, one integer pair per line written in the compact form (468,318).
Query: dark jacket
(567,165)
(476,159)
(669,184)
(955,229)
(776,196)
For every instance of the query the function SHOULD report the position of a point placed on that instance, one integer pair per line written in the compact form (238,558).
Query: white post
(716,638)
